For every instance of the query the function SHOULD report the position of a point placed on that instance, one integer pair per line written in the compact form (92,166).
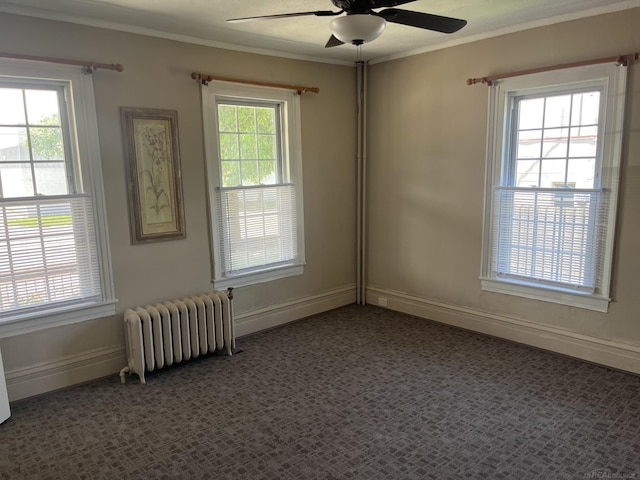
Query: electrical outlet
(382,301)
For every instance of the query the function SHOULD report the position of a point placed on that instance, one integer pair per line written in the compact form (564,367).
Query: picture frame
(154,178)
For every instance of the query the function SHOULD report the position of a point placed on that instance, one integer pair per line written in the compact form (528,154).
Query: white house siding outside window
(552,182)
(54,256)
(252,137)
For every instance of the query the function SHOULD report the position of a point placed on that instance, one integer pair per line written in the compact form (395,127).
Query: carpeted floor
(354,393)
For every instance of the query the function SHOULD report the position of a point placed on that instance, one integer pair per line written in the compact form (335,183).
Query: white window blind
(259,227)
(48,253)
(552,236)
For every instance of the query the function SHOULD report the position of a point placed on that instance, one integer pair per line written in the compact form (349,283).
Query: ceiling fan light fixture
(357,28)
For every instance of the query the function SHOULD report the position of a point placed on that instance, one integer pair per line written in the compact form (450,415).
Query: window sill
(27,323)
(257,277)
(547,294)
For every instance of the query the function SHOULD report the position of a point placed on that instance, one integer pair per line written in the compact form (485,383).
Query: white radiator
(172,332)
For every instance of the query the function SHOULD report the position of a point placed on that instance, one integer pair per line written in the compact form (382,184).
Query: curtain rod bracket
(204,79)
(625,60)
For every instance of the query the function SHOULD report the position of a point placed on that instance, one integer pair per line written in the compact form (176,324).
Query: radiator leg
(122,372)
(232,346)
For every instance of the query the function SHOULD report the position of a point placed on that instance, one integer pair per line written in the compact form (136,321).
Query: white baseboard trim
(71,370)
(275,315)
(623,356)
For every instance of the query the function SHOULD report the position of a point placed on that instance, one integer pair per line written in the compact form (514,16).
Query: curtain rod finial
(473,81)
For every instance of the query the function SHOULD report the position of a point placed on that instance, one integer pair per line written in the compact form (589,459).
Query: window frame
(291,173)
(84,150)
(612,79)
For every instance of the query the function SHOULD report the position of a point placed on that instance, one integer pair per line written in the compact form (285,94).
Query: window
(552,180)
(54,265)
(254,164)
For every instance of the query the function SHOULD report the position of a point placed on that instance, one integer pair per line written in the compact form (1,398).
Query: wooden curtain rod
(623,60)
(205,79)
(89,67)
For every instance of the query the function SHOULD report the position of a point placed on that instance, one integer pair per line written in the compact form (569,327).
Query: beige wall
(427,139)
(157,76)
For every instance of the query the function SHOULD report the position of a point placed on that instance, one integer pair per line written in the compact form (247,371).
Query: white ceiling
(204,22)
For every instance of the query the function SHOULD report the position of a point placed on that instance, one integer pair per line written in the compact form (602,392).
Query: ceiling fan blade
(319,13)
(422,20)
(333,42)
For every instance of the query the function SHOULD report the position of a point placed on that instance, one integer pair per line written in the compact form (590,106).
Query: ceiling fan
(363,24)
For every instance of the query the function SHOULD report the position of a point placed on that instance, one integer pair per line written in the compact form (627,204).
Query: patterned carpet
(354,393)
